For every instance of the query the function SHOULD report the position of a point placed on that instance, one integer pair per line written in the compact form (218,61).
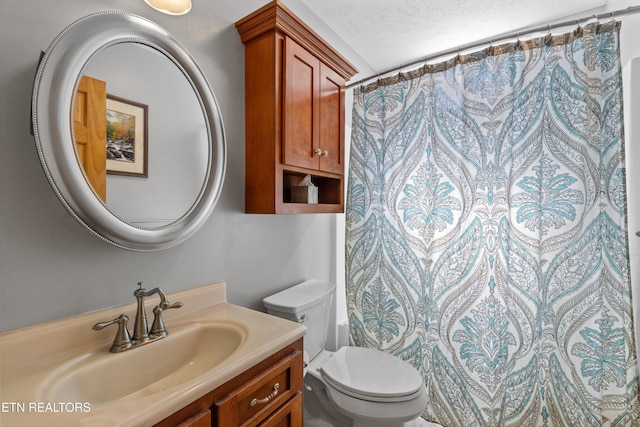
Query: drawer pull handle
(273,394)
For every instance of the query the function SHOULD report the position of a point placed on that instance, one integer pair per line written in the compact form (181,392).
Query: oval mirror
(128,131)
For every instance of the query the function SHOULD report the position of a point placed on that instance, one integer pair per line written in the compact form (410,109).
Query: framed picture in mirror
(127,140)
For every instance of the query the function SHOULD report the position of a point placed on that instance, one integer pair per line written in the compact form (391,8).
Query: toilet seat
(379,412)
(371,375)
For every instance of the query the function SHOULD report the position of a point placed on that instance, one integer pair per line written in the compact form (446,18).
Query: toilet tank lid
(299,297)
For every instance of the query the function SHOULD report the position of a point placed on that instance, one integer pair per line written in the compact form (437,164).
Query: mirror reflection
(152,149)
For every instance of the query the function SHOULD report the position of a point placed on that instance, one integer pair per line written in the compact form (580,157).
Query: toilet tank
(308,303)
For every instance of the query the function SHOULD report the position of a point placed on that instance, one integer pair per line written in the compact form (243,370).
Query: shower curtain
(486,239)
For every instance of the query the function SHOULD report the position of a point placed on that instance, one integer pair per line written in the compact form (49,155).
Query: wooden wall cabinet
(294,107)
(252,398)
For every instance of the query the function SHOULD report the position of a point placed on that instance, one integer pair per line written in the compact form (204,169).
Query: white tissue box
(304,194)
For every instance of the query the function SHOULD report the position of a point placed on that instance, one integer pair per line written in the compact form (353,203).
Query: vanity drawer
(252,402)
(288,415)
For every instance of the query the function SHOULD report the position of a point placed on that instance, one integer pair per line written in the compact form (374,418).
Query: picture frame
(127,137)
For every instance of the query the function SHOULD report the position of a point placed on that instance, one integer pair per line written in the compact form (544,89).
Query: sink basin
(103,378)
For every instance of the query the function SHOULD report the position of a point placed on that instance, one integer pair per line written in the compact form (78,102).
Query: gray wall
(51,267)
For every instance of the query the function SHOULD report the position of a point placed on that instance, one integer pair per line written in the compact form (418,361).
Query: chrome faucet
(140,328)
(141,333)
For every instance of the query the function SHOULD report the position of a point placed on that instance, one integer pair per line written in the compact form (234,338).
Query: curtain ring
(548,37)
(578,30)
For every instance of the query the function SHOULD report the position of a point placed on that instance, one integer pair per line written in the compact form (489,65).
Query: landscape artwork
(126,137)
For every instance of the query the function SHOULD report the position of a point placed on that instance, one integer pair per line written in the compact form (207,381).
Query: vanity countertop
(32,358)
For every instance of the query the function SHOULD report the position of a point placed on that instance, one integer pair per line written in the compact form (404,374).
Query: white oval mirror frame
(55,85)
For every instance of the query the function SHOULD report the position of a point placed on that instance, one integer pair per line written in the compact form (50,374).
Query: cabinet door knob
(325,153)
(273,394)
(318,152)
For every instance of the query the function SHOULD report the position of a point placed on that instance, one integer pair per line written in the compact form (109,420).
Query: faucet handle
(158,328)
(166,305)
(122,341)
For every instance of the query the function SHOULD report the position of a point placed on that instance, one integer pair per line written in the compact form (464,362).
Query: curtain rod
(527,30)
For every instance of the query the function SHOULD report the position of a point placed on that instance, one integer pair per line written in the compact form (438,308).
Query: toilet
(353,386)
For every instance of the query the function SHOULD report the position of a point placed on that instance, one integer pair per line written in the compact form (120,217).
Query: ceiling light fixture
(170,7)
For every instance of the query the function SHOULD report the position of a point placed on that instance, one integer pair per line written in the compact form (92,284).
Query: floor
(311,421)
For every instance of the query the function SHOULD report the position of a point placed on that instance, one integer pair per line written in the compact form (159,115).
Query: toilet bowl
(372,387)
(353,386)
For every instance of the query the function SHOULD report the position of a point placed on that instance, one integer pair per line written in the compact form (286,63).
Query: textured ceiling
(388,33)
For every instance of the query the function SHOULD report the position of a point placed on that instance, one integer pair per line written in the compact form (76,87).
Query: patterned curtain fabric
(486,233)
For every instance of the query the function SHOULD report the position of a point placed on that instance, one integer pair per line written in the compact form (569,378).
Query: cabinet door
(201,419)
(332,119)
(301,113)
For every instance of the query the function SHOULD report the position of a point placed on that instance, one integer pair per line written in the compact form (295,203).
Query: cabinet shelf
(329,188)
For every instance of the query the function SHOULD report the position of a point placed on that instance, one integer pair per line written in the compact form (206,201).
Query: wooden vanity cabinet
(249,399)
(294,113)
